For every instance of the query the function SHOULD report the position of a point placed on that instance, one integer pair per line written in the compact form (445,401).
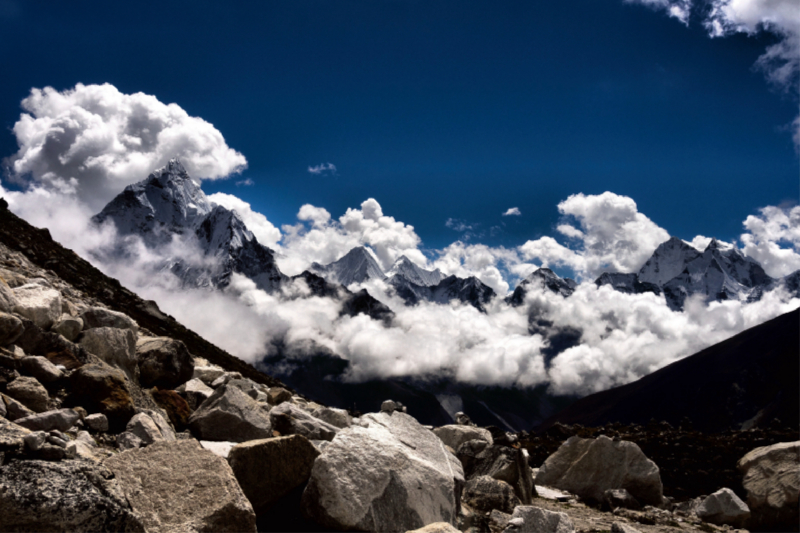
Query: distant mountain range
(168,204)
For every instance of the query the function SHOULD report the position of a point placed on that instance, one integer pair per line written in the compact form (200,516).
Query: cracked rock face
(67,496)
(196,492)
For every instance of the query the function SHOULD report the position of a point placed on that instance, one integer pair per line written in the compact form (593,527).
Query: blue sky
(440,110)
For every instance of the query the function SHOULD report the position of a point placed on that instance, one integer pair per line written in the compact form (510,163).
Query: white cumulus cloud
(97,140)
(512,211)
(323,169)
(612,235)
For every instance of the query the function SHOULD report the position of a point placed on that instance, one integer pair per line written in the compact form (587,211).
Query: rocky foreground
(106,425)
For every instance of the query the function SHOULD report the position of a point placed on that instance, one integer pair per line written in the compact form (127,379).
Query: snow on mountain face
(356,266)
(169,203)
(543,278)
(718,273)
(668,261)
(403,267)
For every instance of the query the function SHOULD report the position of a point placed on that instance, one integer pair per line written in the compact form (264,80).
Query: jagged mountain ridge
(356,266)
(170,203)
(678,270)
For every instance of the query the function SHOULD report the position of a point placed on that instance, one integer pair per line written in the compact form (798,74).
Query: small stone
(28,391)
(278,395)
(11,328)
(97,422)
(115,346)
(224,379)
(14,409)
(207,373)
(724,507)
(41,368)
(389,406)
(145,428)
(68,327)
(222,449)
(128,441)
(61,443)
(35,440)
(80,450)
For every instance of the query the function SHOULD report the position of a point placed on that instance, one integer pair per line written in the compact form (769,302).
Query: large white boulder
(589,467)
(455,435)
(8,302)
(393,475)
(772,482)
(39,304)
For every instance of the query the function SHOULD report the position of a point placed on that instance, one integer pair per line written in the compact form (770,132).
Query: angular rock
(278,395)
(484,493)
(41,368)
(96,422)
(14,409)
(394,475)
(480,458)
(35,440)
(288,419)
(60,419)
(231,415)
(614,498)
(268,469)
(436,527)
(12,436)
(199,493)
(498,521)
(143,427)
(772,481)
(100,388)
(29,392)
(37,303)
(68,496)
(207,374)
(196,392)
(100,317)
(724,507)
(589,467)
(225,378)
(333,416)
(115,346)
(163,362)
(174,405)
(222,449)
(455,435)
(57,441)
(56,348)
(68,327)
(8,302)
(80,450)
(128,441)
(11,328)
(530,519)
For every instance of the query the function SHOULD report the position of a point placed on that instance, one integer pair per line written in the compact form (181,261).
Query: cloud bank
(622,337)
(94,140)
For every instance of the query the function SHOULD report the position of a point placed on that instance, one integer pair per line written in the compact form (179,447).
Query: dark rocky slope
(43,251)
(745,381)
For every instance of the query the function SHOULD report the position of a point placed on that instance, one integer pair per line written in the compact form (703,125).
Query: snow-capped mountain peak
(667,261)
(405,268)
(170,203)
(356,266)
